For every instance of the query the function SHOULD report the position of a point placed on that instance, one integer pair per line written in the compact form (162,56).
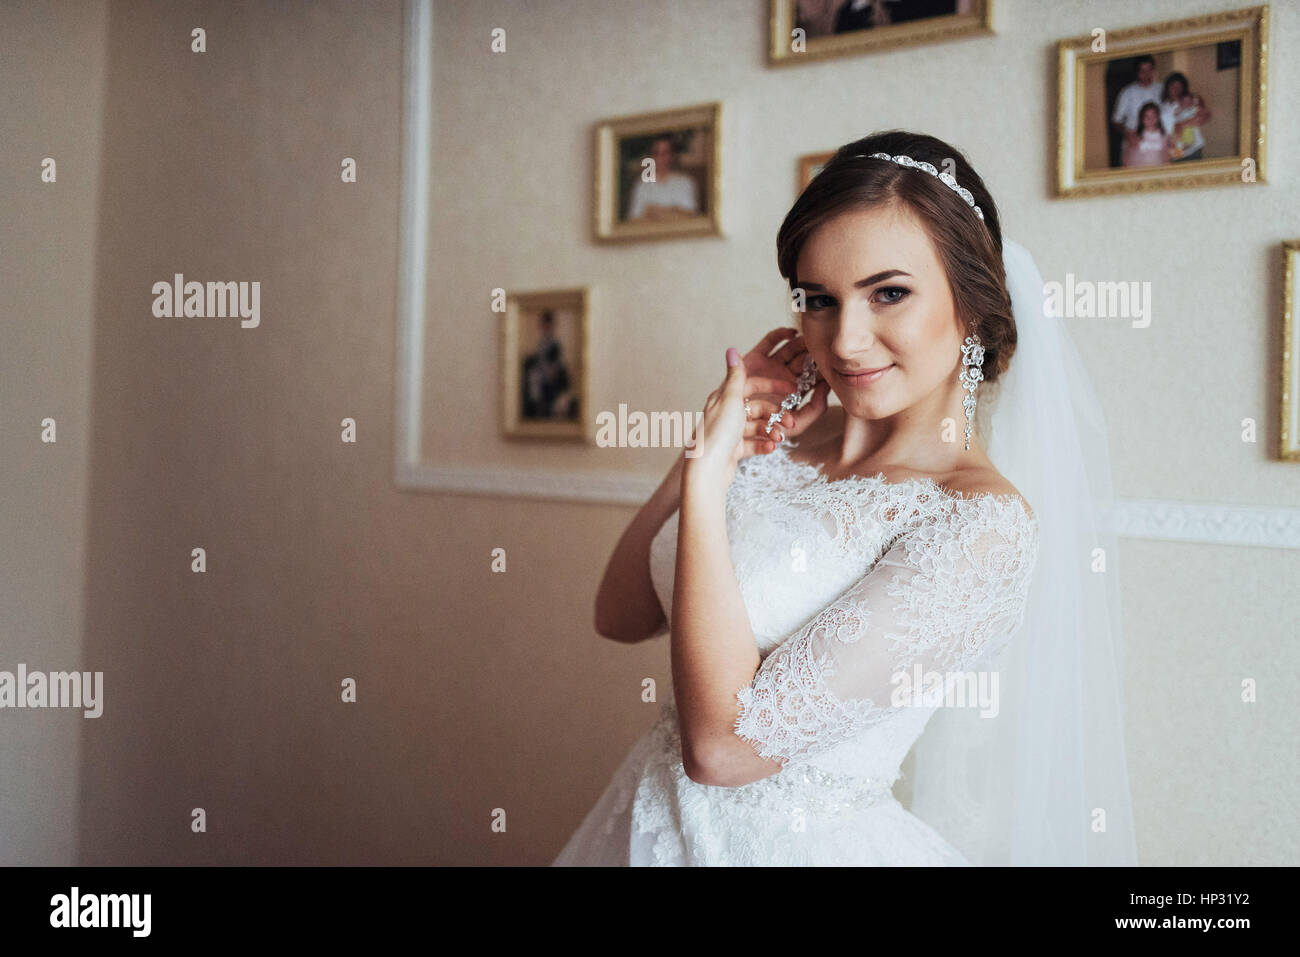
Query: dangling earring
(803,385)
(972,374)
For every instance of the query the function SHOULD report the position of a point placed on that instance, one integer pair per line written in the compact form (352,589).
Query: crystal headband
(945,176)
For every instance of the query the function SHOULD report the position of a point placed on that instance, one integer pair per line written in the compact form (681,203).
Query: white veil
(1045,781)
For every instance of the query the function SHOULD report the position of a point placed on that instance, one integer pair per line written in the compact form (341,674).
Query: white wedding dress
(847,584)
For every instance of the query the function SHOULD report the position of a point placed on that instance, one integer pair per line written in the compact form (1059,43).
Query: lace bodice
(847,584)
(850,582)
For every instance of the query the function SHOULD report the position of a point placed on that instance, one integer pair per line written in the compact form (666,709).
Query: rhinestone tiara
(945,176)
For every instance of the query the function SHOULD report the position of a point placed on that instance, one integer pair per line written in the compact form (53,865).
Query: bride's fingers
(790,350)
(756,424)
(769,341)
(761,444)
(810,413)
(757,428)
(815,406)
(775,385)
(762,406)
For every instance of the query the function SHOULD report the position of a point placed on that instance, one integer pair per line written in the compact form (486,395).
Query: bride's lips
(866,376)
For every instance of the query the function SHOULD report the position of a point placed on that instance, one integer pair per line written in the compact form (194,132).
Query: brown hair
(969,248)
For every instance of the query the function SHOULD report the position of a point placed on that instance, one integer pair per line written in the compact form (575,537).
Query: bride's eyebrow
(868,281)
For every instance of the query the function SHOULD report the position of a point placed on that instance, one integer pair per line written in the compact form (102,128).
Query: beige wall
(52,61)
(479,691)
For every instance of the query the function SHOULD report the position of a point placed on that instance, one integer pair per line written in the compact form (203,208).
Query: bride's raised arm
(942,598)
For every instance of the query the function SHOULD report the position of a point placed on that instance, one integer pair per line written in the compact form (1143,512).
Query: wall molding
(1264,526)
(555,485)
(413,234)
(1203,523)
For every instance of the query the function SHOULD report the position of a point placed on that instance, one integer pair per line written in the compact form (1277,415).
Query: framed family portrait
(544,349)
(1164,106)
(1290,446)
(809,166)
(657,175)
(806,30)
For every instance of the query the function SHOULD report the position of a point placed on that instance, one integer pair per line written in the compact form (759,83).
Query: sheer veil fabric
(1045,781)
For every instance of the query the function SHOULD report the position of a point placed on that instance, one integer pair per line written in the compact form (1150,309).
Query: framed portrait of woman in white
(805,30)
(1164,106)
(657,175)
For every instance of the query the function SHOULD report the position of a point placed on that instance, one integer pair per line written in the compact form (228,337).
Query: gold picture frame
(628,180)
(1095,158)
(818,39)
(810,164)
(544,365)
(1289,442)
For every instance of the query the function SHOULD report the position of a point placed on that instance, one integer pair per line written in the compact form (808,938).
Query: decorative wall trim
(413,231)
(588,488)
(1208,523)
(1204,523)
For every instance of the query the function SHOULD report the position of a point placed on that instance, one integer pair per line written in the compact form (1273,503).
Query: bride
(836,590)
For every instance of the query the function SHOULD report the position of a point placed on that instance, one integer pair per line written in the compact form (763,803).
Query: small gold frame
(810,164)
(1249,26)
(514,423)
(608,135)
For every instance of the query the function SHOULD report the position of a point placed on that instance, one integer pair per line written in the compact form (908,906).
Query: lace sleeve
(942,597)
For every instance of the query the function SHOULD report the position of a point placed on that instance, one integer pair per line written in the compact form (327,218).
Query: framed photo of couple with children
(1164,106)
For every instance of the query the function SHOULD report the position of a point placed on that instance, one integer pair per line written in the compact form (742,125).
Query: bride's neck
(907,439)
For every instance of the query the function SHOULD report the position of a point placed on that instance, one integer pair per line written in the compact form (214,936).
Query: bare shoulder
(984,480)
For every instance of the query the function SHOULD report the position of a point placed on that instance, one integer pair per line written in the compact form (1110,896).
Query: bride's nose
(854,336)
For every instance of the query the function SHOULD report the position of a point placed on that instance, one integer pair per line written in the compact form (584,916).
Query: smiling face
(878,298)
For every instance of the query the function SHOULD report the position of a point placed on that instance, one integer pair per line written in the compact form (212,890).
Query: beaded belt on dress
(799,789)
(808,789)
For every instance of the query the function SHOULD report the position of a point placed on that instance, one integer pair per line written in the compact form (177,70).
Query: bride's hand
(781,369)
(734,421)
(720,437)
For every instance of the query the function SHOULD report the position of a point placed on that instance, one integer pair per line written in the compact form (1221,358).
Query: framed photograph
(544,349)
(1164,106)
(806,30)
(657,175)
(809,166)
(1290,443)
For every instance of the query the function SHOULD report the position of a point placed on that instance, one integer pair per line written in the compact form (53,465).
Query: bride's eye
(889,300)
(817,302)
